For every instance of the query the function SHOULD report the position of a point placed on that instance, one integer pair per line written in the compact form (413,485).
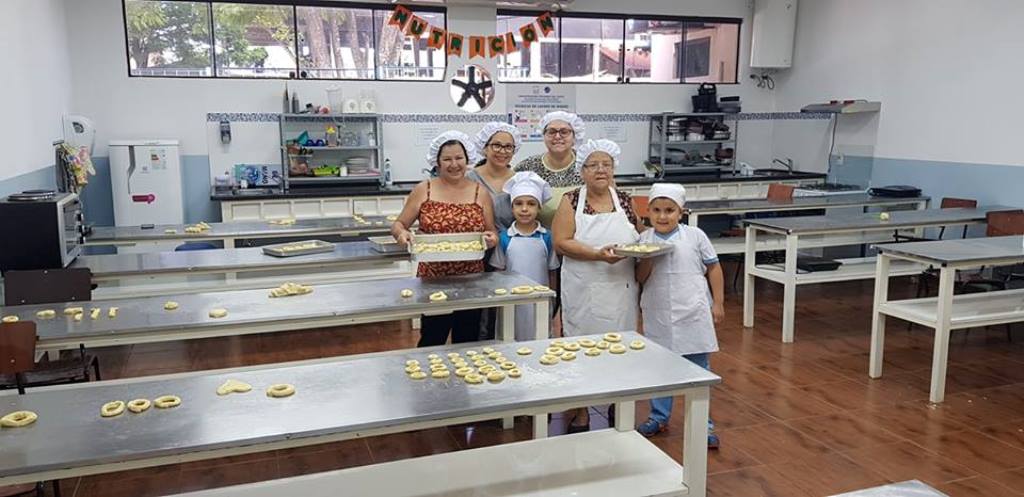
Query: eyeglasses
(563,132)
(598,167)
(498,147)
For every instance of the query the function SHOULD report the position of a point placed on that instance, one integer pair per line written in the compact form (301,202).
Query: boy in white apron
(682,295)
(526,247)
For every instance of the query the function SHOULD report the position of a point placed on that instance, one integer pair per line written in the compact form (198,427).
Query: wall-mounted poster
(526,104)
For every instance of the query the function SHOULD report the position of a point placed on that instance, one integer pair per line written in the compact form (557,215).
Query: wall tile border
(240,117)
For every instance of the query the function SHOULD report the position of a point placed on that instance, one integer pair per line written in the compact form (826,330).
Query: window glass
(335,43)
(710,52)
(653,51)
(168,38)
(254,40)
(591,50)
(539,62)
(403,57)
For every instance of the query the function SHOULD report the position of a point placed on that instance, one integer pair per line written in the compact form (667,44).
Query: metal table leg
(877,318)
(695,445)
(749,262)
(789,290)
(940,352)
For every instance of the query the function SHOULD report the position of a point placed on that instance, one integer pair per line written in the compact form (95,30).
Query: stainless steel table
(142,320)
(229,232)
(162,273)
(947,311)
(699,208)
(832,231)
(909,488)
(359,397)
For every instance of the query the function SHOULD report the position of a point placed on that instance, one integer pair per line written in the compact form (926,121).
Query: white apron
(527,256)
(598,297)
(676,300)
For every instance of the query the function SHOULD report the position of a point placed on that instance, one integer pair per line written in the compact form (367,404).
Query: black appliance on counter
(706,99)
(897,191)
(42,229)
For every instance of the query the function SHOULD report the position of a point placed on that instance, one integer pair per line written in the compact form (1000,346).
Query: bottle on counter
(287,106)
(295,102)
(388,181)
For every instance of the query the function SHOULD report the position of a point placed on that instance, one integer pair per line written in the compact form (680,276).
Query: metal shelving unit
(358,135)
(669,148)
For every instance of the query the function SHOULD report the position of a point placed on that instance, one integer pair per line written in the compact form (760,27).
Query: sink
(774,172)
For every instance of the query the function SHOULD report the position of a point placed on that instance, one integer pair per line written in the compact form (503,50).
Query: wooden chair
(641,204)
(17,351)
(780,192)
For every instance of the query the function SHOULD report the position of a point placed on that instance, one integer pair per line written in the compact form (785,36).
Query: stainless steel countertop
(1004,248)
(346,396)
(242,259)
(251,307)
(909,488)
(240,229)
(871,221)
(818,202)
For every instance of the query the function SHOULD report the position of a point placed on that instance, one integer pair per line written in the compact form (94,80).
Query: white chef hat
(672,191)
(602,145)
(578,128)
(447,136)
(489,129)
(528,183)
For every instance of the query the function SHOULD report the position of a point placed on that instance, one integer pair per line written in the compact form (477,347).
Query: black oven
(40,230)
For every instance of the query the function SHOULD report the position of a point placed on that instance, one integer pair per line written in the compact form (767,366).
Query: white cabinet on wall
(774,28)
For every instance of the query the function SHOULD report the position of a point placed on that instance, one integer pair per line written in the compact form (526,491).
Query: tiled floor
(798,420)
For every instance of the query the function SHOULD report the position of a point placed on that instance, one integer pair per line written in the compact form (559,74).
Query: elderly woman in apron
(599,290)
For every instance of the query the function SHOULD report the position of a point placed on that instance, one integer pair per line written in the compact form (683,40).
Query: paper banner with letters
(412,25)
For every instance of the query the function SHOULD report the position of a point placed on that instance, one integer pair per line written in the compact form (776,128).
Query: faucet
(788,163)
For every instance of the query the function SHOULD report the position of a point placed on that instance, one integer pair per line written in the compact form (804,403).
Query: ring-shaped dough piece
(280,390)
(460,364)
(479,363)
(47,314)
(487,369)
(613,337)
(548,360)
(471,353)
(553,351)
(522,290)
(170,305)
(524,351)
(438,297)
(111,409)
(571,346)
(438,367)
(412,369)
(637,344)
(405,293)
(557,343)
(508,365)
(541,288)
(514,373)
(474,379)
(412,362)
(488,350)
(436,360)
(461,372)
(494,355)
(602,345)
(453,355)
(500,291)
(495,377)
(167,401)
(586,343)
(433,356)
(617,348)
(568,356)
(10,319)
(218,313)
(233,386)
(593,352)
(440,374)
(139,405)
(417,375)
(17,419)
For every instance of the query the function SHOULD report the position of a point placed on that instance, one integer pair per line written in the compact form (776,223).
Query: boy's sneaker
(713,441)
(651,428)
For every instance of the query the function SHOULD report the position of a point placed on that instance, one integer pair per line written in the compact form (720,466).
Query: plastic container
(335,100)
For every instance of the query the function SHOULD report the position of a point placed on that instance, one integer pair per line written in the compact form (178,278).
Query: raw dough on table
(524,351)
(413,368)
(613,337)
(603,345)
(233,386)
(593,352)
(571,346)
(70,311)
(557,343)
(170,305)
(48,314)
(406,293)
(432,247)
(218,313)
(494,355)
(640,247)
(433,356)
(392,218)
(438,297)
(440,374)
(495,376)
(290,289)
(17,419)
(514,373)
(94,313)
(171,231)
(568,356)
(139,405)
(461,372)
(78,317)
(508,365)
(548,360)
(500,291)
(112,312)
(436,360)
(474,379)
(412,362)
(279,390)
(617,348)
(417,375)
(587,343)
(10,319)
(522,290)
(438,367)
(488,350)
(471,353)
(541,288)
(167,401)
(111,409)
(488,369)
(553,351)
(453,355)
(637,344)
(479,362)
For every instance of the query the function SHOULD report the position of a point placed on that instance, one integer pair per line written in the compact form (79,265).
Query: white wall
(34,81)
(947,73)
(126,107)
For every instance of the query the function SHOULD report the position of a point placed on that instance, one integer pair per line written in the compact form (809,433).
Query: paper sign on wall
(528,104)
(614,131)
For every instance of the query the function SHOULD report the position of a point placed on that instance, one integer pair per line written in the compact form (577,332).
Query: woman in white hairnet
(599,290)
(562,132)
(449,203)
(498,143)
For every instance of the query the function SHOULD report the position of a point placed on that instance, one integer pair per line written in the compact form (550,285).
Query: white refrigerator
(145,180)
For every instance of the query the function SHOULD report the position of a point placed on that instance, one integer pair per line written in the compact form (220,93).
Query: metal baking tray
(386,244)
(663,248)
(278,250)
(474,255)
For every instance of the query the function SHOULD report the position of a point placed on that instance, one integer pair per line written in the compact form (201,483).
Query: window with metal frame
(168,38)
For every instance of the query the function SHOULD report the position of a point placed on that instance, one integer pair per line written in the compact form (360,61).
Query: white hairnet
(489,129)
(435,146)
(607,146)
(528,183)
(578,128)
(672,191)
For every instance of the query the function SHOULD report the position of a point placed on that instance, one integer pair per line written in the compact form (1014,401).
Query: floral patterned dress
(450,217)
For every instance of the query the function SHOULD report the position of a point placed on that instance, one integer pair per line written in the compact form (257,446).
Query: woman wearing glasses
(556,166)
(498,142)
(599,291)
